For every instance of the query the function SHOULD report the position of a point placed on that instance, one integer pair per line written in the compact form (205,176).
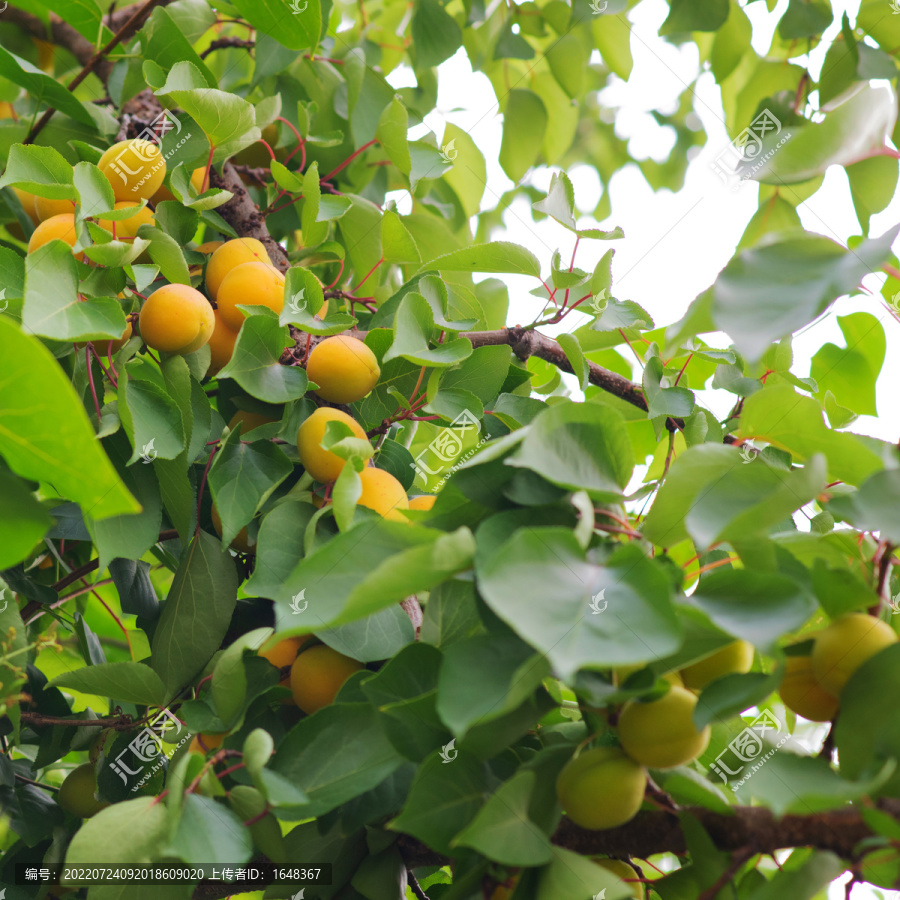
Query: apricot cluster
(812,684)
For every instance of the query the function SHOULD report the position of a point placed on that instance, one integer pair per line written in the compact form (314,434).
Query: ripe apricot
(176,318)
(253,284)
(135,169)
(801,692)
(127,229)
(423,502)
(46,52)
(344,369)
(661,734)
(842,647)
(208,247)
(284,652)
(383,493)
(602,788)
(77,794)
(203,743)
(623,872)
(102,346)
(45,208)
(241,541)
(227,257)
(318,674)
(322,464)
(736,657)
(60,227)
(221,344)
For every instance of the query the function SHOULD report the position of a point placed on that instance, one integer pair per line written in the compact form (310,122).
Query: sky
(675,243)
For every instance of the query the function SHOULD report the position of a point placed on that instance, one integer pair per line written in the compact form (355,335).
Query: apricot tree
(326,544)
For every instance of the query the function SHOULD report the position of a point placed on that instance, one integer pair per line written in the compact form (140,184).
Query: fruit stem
(118,622)
(205,182)
(212,453)
(368,274)
(87,355)
(348,160)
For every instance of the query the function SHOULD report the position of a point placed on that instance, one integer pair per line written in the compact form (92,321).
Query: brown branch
(117,723)
(221,43)
(137,18)
(243,215)
(61,33)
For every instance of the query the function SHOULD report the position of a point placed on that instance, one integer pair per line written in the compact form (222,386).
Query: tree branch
(61,33)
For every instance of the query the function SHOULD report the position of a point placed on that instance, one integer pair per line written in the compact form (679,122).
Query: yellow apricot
(127,229)
(322,464)
(203,743)
(27,201)
(423,502)
(7,111)
(801,693)
(208,247)
(284,652)
(135,169)
(602,788)
(382,493)
(60,227)
(661,734)
(736,657)
(318,674)
(227,257)
(46,52)
(241,541)
(103,345)
(77,794)
(842,647)
(251,283)
(176,318)
(45,208)
(221,344)
(344,369)
(623,872)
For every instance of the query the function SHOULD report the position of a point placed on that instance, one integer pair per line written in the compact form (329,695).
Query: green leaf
(254,364)
(295,30)
(196,613)
(568,59)
(779,286)
(503,831)
(496,257)
(134,832)
(559,203)
(23,521)
(209,832)
(95,193)
(39,170)
(664,401)
(413,329)
(41,85)
(36,395)
(711,494)
(397,243)
(242,477)
(637,624)
(804,19)
(695,15)
(780,416)
(874,506)
(166,253)
(850,372)
(374,565)
(279,545)
(228,121)
(128,681)
(578,446)
(52,306)
(151,418)
(435,34)
(872,183)
(571,876)
(524,123)
(335,755)
(468,177)
(391,133)
(442,801)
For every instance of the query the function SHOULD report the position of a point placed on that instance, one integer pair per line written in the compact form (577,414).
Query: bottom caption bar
(253,875)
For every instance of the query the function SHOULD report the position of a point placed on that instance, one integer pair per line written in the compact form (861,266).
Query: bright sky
(675,244)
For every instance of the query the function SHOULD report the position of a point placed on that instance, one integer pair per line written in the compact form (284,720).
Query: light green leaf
(524,123)
(128,681)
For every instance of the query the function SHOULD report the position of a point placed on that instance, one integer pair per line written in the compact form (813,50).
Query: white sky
(675,243)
